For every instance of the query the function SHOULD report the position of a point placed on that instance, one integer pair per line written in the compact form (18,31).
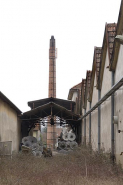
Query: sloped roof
(64,103)
(5,99)
(110,31)
(83,92)
(77,86)
(46,110)
(108,43)
(73,89)
(95,69)
(88,85)
(97,58)
(116,46)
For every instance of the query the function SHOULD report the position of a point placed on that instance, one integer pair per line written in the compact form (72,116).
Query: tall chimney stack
(52,68)
(51,129)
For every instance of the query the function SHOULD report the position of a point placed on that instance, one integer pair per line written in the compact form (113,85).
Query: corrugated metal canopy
(64,103)
(47,110)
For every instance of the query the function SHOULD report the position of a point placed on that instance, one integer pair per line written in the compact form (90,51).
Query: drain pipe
(90,125)
(112,115)
(85,128)
(99,114)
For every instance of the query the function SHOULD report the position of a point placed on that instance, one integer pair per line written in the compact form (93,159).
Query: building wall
(94,129)
(106,126)
(95,93)
(119,68)
(87,129)
(87,123)
(119,108)
(88,106)
(106,112)
(94,117)
(82,131)
(106,108)
(10,126)
(75,95)
(106,81)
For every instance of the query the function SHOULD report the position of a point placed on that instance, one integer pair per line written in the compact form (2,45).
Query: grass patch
(77,168)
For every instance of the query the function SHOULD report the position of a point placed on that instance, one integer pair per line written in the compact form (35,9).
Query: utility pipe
(85,128)
(99,113)
(112,115)
(108,94)
(90,125)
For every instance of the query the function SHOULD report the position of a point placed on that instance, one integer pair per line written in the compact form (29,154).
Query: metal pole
(90,125)
(81,131)
(85,129)
(99,113)
(112,115)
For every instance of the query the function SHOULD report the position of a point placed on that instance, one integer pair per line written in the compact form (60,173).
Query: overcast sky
(26,27)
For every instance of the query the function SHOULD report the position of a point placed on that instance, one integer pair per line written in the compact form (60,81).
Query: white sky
(26,27)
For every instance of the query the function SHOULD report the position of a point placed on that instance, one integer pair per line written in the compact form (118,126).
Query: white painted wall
(95,93)
(82,131)
(119,108)
(119,67)
(94,117)
(10,127)
(106,81)
(106,108)
(106,126)
(88,106)
(94,129)
(75,95)
(87,129)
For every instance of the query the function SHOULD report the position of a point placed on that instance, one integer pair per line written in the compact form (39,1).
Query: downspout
(112,115)
(81,120)
(85,128)
(90,125)
(99,113)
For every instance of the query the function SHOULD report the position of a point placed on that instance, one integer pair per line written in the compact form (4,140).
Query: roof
(73,89)
(48,109)
(83,92)
(95,69)
(106,96)
(110,31)
(64,103)
(5,99)
(97,58)
(88,85)
(108,42)
(77,86)
(116,46)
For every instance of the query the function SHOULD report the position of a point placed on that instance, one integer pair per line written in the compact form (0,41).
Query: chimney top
(52,37)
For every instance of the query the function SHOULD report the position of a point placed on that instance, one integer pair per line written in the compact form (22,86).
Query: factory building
(102,95)
(10,125)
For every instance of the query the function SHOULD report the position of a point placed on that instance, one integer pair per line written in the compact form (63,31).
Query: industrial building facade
(94,107)
(10,123)
(102,95)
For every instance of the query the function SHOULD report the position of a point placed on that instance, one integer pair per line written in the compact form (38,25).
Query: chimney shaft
(52,68)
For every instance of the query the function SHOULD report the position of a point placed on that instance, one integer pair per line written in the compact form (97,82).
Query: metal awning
(48,109)
(107,95)
(64,103)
